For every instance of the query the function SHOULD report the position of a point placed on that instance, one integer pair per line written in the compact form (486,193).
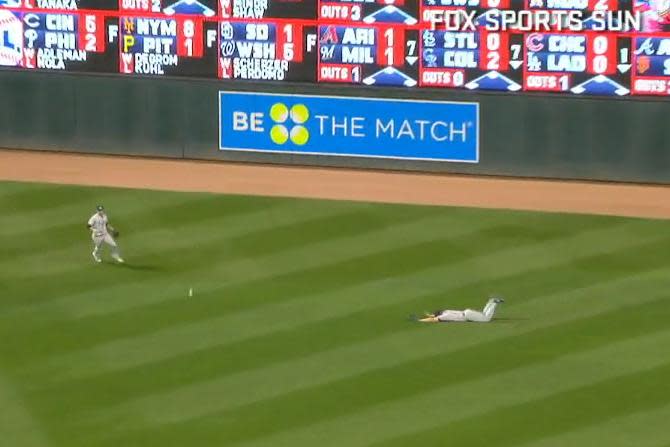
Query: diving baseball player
(100,232)
(446,316)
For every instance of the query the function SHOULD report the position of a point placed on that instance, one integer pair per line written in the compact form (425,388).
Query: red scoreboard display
(573,47)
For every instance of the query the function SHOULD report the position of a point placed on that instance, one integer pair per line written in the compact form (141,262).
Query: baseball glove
(114,232)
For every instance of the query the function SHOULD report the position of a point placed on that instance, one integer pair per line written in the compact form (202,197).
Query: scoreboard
(572,47)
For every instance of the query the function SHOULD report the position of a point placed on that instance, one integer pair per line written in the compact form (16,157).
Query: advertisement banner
(351,127)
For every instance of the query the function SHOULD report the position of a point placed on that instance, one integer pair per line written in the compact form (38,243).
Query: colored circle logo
(279,113)
(299,135)
(299,113)
(282,131)
(279,134)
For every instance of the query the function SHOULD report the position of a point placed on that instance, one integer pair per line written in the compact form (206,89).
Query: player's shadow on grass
(140,267)
(509,319)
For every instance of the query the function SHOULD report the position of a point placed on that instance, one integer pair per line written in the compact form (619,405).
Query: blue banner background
(345,126)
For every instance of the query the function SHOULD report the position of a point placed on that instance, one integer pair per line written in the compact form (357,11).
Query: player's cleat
(498,300)
(120,260)
(97,259)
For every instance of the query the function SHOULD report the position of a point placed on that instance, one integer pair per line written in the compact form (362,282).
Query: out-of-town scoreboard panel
(575,47)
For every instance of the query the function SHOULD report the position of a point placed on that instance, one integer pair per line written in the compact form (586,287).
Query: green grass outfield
(297,334)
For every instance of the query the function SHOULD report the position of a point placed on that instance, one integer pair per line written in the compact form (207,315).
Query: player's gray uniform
(99,234)
(470,315)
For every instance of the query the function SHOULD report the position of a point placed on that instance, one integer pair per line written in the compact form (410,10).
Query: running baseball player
(447,316)
(100,232)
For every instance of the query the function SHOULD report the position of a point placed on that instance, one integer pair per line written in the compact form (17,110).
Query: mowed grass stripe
(9,188)
(25,198)
(170,340)
(236,271)
(174,340)
(142,221)
(567,411)
(449,402)
(17,425)
(210,240)
(179,248)
(253,269)
(178,339)
(317,403)
(356,317)
(304,252)
(635,428)
(201,398)
(170,221)
(28,226)
(330,326)
(80,205)
(118,281)
(169,262)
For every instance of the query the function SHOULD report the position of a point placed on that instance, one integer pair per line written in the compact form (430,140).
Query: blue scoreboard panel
(572,47)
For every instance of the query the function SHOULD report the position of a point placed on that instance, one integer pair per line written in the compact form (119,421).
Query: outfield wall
(520,135)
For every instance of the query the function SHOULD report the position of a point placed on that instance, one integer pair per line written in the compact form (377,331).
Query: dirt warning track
(339,184)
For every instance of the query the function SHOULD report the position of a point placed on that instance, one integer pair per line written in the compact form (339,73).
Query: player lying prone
(448,315)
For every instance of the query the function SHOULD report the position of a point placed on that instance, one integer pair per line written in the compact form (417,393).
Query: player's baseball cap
(100,208)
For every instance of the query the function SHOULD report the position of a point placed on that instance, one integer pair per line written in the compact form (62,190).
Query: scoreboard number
(356,13)
(493,45)
(288,47)
(599,61)
(188,36)
(388,52)
(356,74)
(91,30)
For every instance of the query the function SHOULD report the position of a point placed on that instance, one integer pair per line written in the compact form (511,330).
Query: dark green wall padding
(520,135)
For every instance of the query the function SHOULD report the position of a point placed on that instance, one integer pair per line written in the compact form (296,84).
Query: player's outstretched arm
(429,319)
